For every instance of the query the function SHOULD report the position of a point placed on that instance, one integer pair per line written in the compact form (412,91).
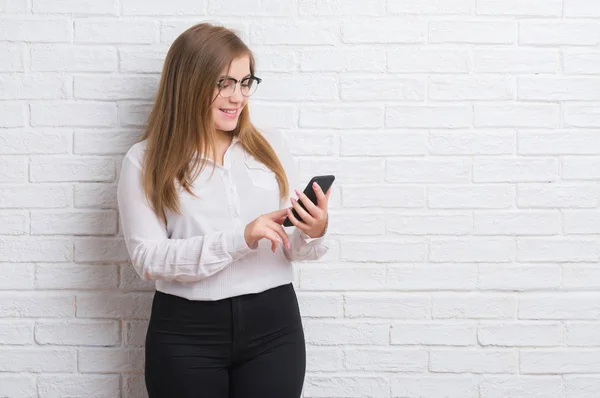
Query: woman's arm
(153,254)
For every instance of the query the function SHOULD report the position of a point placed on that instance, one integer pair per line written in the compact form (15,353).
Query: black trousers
(241,347)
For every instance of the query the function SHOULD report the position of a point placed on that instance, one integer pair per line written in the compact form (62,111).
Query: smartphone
(324,182)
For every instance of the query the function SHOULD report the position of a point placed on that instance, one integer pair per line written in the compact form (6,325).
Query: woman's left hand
(313,222)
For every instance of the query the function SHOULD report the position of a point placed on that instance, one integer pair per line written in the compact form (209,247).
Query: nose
(237,94)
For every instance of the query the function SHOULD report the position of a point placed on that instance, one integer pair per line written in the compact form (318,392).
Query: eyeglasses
(248,86)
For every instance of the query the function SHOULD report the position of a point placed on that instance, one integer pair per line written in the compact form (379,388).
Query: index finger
(321,197)
(277,214)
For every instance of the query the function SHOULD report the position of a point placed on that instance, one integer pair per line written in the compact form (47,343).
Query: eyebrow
(231,77)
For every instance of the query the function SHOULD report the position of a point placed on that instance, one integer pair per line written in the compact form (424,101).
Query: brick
(27,249)
(515,60)
(35,86)
(70,58)
(558,89)
(279,59)
(396,306)
(111,305)
(542,33)
(35,196)
(35,359)
(72,168)
(284,116)
(115,31)
(428,171)
(159,8)
(386,359)
(581,115)
(357,224)
(18,385)
(100,250)
(581,62)
(78,333)
(383,144)
(16,276)
(74,276)
(349,170)
(460,88)
(142,59)
(432,7)
(474,306)
(321,305)
(44,30)
(294,33)
(521,386)
(519,277)
(26,141)
(485,196)
(478,32)
(447,386)
(520,334)
(36,305)
(298,88)
(345,116)
(581,221)
(581,334)
(431,277)
(14,6)
(314,142)
(384,31)
(556,249)
(12,58)
(13,169)
(465,360)
(558,142)
(324,359)
(576,386)
(557,195)
(105,7)
(409,250)
(346,8)
(477,142)
(517,223)
(349,386)
(100,142)
(559,306)
(135,333)
(12,115)
(136,114)
(13,332)
(326,332)
(428,60)
(332,60)
(96,195)
(342,277)
(400,196)
(469,250)
(434,333)
(111,360)
(515,170)
(97,386)
(433,116)
(398,89)
(129,279)
(429,223)
(558,361)
(172,28)
(88,114)
(582,8)
(576,276)
(516,115)
(99,222)
(14,222)
(115,88)
(516,7)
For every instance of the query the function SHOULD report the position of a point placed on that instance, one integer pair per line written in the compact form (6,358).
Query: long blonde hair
(180,125)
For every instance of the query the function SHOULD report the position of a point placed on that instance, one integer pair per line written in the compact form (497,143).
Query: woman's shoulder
(135,154)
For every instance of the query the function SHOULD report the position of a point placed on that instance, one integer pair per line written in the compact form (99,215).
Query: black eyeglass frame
(220,81)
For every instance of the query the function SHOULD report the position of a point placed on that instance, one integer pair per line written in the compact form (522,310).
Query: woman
(225,320)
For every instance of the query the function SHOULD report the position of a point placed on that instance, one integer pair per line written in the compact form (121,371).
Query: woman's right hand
(267,226)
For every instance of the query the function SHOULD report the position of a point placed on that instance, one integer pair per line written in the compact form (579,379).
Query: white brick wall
(464,138)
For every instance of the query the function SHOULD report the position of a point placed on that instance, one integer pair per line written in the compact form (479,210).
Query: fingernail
(297,192)
(288,245)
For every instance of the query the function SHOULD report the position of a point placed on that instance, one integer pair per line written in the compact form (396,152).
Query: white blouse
(202,254)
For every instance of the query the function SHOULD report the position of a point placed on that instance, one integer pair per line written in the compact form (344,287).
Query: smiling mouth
(231,113)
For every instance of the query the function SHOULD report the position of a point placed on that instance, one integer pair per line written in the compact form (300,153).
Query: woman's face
(226,111)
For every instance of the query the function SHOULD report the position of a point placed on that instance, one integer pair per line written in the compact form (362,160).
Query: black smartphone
(324,182)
